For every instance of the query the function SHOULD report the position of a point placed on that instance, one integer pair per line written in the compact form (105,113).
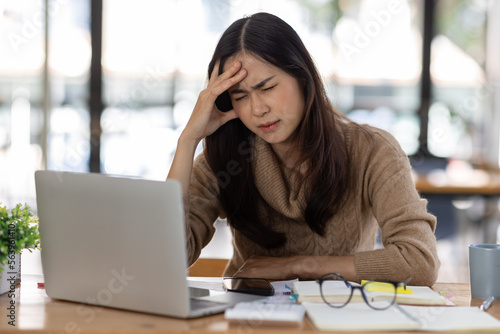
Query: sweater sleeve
(407,229)
(202,208)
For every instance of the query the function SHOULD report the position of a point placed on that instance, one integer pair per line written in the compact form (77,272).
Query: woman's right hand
(204,121)
(206,117)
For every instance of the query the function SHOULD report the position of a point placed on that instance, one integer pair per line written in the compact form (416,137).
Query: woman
(303,188)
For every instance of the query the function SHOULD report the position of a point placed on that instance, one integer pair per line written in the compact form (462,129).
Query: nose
(259,107)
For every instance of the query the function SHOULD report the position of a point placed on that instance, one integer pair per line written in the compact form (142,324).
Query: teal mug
(484,269)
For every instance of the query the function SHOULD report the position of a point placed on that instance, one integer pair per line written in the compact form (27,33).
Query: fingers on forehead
(217,64)
(215,70)
(220,65)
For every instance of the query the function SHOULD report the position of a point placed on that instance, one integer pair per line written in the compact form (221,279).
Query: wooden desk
(35,311)
(465,186)
(486,185)
(424,186)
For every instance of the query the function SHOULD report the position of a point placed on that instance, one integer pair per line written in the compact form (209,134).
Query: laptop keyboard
(197,304)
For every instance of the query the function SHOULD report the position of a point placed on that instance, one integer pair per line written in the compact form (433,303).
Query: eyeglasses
(334,293)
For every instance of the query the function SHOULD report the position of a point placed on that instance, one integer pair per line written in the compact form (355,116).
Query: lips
(270,126)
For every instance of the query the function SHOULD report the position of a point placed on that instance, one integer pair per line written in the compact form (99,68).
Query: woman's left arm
(407,230)
(300,266)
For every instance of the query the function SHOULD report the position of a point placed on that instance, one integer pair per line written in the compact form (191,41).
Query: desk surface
(476,182)
(35,311)
(424,186)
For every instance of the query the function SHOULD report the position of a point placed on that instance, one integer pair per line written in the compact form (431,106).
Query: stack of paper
(308,291)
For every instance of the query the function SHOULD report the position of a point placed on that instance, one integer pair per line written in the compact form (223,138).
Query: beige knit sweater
(385,197)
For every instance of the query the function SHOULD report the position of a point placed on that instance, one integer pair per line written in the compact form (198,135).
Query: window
(459,85)
(377,48)
(154,59)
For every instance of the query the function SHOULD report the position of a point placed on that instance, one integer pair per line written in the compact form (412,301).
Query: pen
(487,303)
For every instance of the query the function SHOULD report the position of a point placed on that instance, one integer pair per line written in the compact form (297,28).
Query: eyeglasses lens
(380,297)
(335,291)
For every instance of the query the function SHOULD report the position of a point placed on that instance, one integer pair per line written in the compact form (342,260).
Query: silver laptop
(119,242)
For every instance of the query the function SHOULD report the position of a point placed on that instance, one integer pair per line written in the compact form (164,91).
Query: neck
(287,158)
(283,154)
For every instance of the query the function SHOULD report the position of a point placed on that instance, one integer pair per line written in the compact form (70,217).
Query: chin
(272,141)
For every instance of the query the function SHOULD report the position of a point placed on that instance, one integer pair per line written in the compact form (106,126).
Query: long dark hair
(318,137)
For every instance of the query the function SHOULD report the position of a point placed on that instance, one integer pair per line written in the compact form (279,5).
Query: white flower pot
(10,275)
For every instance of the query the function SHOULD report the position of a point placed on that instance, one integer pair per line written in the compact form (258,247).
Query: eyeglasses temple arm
(406,281)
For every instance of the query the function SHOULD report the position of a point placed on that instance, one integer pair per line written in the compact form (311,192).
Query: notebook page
(358,317)
(435,318)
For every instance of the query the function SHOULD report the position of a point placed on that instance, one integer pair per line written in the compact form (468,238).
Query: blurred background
(107,86)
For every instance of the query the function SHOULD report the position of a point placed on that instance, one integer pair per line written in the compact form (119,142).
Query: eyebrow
(257,86)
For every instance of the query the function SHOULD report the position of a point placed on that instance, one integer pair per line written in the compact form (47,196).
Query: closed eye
(264,90)
(269,88)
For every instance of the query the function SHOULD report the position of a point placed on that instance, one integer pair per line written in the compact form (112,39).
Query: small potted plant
(18,231)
